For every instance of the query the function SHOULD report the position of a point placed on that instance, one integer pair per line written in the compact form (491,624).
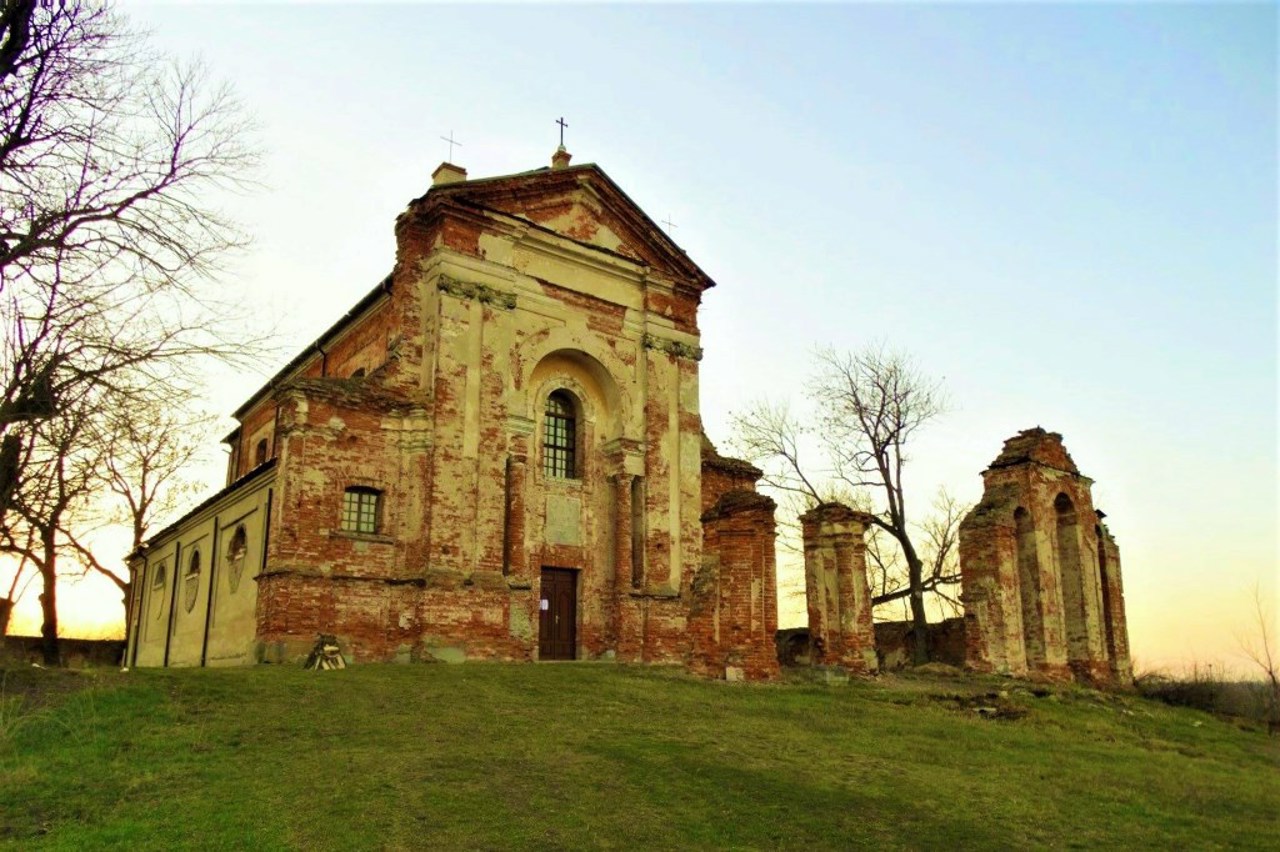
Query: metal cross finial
(667,221)
(451,142)
(560,121)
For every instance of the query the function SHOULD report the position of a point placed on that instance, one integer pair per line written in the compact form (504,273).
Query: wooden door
(558,615)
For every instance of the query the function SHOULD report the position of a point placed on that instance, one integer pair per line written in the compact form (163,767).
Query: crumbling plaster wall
(839,599)
(366,345)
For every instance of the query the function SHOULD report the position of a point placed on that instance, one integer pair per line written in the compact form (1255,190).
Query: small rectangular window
(360,510)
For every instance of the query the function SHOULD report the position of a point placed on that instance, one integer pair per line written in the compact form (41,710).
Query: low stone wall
(946,643)
(893,650)
(76,653)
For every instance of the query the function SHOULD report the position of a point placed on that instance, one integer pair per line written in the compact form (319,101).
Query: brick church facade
(496,454)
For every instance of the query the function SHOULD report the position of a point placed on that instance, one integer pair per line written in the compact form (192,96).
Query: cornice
(673,347)
(482,293)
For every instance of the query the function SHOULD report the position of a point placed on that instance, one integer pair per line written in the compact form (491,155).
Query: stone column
(840,627)
(1116,625)
(515,562)
(624,464)
(626,641)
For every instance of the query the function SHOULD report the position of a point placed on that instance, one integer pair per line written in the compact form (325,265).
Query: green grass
(599,756)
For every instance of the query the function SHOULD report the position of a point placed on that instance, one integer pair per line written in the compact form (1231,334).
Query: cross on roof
(560,121)
(667,221)
(451,142)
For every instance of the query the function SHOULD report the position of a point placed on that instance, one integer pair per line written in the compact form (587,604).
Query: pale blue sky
(1069,211)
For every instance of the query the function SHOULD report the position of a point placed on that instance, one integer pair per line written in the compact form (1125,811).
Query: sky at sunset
(1069,212)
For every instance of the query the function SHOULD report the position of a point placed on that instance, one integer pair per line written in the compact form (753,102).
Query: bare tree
(870,404)
(110,158)
(18,584)
(60,464)
(149,449)
(1261,649)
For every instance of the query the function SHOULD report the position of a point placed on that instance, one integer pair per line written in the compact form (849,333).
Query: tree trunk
(49,599)
(919,618)
(6,608)
(49,627)
(919,629)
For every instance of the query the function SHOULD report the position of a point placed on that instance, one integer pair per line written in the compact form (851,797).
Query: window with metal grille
(560,444)
(360,507)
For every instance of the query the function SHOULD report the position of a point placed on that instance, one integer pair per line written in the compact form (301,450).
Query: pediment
(583,204)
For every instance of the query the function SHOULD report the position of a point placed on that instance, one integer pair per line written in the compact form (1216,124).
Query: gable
(580,203)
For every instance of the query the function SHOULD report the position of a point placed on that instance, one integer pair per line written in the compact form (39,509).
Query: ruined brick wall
(1116,626)
(1033,567)
(720,475)
(839,599)
(734,609)
(895,642)
(334,435)
(365,345)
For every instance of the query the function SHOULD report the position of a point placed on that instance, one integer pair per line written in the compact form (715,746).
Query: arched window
(560,438)
(191,585)
(1029,588)
(157,592)
(238,545)
(1075,597)
(236,550)
(260,454)
(361,509)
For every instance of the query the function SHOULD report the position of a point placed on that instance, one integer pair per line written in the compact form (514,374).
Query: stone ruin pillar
(1116,624)
(733,617)
(835,572)
(1041,584)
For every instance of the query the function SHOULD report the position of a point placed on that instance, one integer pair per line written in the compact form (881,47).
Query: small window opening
(260,453)
(361,508)
(560,442)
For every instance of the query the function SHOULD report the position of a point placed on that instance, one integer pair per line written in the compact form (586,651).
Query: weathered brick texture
(1040,573)
(835,569)
(734,612)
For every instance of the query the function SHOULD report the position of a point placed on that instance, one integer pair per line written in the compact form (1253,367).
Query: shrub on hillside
(1201,691)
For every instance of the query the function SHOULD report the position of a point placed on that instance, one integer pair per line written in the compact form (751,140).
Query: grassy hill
(601,756)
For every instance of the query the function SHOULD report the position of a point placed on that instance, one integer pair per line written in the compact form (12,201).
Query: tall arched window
(1029,588)
(237,549)
(191,584)
(260,453)
(560,438)
(1075,597)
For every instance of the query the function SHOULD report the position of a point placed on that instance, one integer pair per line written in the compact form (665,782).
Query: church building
(495,454)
